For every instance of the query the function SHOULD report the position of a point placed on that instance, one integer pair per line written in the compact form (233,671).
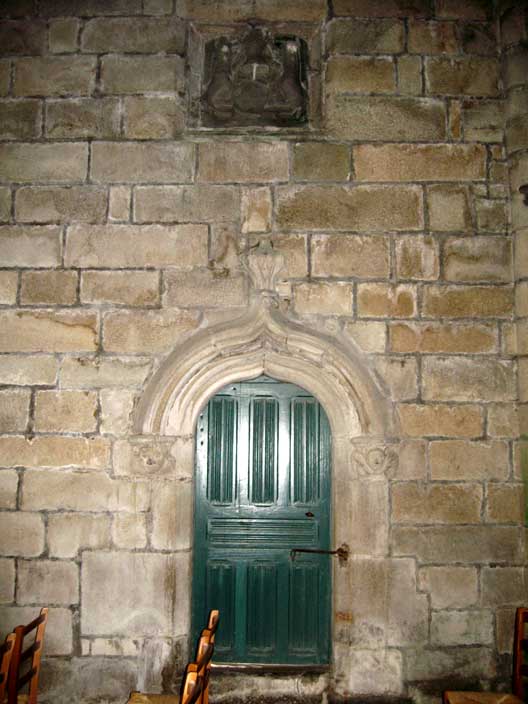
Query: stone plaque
(255,79)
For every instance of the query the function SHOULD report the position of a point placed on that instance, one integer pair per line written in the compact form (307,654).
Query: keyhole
(309,514)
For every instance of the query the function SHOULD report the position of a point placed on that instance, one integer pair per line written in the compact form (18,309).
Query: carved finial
(263,265)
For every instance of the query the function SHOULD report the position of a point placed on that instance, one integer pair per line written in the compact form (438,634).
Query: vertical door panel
(262,608)
(263,451)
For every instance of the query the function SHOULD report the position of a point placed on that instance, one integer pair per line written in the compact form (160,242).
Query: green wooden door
(263,488)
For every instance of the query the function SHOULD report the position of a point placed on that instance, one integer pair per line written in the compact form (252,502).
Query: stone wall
(124,230)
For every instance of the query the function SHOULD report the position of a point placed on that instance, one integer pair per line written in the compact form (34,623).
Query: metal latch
(342,552)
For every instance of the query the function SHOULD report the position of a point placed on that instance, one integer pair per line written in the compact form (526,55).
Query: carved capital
(374,461)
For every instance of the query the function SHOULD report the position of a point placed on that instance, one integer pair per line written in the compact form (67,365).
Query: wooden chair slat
(33,653)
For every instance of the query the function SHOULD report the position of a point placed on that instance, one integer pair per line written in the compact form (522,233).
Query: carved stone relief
(255,78)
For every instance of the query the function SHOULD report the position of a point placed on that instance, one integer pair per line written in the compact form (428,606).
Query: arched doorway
(262,523)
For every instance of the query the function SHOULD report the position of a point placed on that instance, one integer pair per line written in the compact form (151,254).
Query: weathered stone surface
(483,121)
(146,331)
(469,10)
(465,379)
(7,581)
(66,411)
(141,74)
(204,288)
(133,35)
(384,118)
(323,299)
(58,629)
(468,301)
(383,8)
(5,203)
(23,36)
(458,460)
(83,118)
(377,672)
(462,628)
(55,76)
(55,451)
(129,531)
(63,35)
(386,300)
(450,587)
(399,376)
(186,204)
(515,68)
(89,8)
(503,586)
(368,335)
(8,488)
(234,10)
(48,331)
(364,500)
(81,491)
(417,257)
(8,287)
(22,534)
(138,162)
(481,258)
(20,119)
(407,618)
(30,246)
(427,37)
(443,337)
(223,162)
(115,603)
(116,411)
(119,203)
(25,370)
(358,36)
(23,163)
(492,215)
(410,162)
(320,161)
(360,74)
(412,460)
(505,620)
(60,204)
(130,288)
(449,207)
(410,75)
(47,582)
(256,209)
(54,287)
(505,503)
(350,208)
(5,76)
(106,246)
(438,420)
(16,8)
(114,647)
(14,410)
(69,532)
(153,117)
(172,515)
(350,255)
(464,544)
(148,458)
(414,502)
(503,420)
(462,76)
(101,372)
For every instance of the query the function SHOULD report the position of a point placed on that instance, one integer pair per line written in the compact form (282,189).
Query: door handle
(342,552)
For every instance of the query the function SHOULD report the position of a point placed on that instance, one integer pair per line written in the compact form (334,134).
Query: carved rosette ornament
(374,462)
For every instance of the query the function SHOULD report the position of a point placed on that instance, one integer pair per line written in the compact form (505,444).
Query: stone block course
(128,288)
(65,411)
(60,204)
(101,372)
(123,75)
(360,74)
(350,208)
(256,210)
(242,162)
(359,36)
(20,119)
(5,204)
(30,246)
(118,246)
(116,411)
(200,203)
(462,76)
(48,331)
(385,118)
(450,587)
(8,489)
(137,162)
(384,8)
(28,370)
(5,76)
(152,117)
(350,255)
(26,162)
(417,257)
(323,299)
(22,534)
(133,35)
(129,531)
(443,337)
(68,533)
(89,8)
(437,420)
(503,586)
(505,503)
(146,331)
(386,300)
(410,75)
(171,515)
(204,288)
(55,76)
(466,379)
(23,37)
(47,582)
(462,628)
(407,162)
(320,161)
(8,287)
(58,636)
(428,37)
(14,410)
(81,118)
(483,120)
(55,451)
(63,35)
(7,581)
(468,301)
(48,287)
(399,376)
(449,206)
(478,259)
(421,503)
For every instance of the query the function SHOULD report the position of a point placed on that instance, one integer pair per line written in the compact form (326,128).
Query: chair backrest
(204,656)
(520,651)
(212,622)
(33,654)
(6,653)
(191,687)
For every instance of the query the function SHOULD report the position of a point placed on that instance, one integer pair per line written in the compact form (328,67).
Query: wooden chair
(6,653)
(212,622)
(192,687)
(520,671)
(202,664)
(17,679)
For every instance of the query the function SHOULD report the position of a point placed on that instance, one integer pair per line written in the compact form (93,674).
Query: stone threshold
(250,668)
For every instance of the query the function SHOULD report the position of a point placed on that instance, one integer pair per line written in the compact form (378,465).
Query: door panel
(263,488)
